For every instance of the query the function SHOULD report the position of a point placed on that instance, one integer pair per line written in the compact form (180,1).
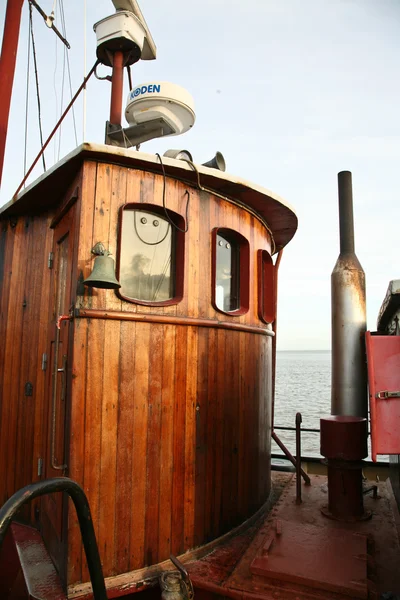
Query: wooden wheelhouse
(156,397)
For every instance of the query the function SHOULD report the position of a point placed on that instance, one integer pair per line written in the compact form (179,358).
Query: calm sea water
(303,384)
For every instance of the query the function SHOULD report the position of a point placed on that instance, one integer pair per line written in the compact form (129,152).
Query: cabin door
(53,506)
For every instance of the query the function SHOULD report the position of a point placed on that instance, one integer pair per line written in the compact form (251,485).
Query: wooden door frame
(65,225)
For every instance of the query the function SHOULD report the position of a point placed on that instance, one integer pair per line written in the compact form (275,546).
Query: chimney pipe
(349,373)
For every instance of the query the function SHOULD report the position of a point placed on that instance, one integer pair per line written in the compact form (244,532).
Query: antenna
(149,51)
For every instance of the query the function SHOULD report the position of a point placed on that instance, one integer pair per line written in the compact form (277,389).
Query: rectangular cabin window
(227,281)
(148,269)
(231,272)
(266,287)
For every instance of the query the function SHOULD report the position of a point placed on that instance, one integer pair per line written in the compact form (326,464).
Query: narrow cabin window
(231,272)
(266,287)
(151,254)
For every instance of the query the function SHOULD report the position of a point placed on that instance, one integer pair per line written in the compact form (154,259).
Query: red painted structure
(344,444)
(383,354)
(7,69)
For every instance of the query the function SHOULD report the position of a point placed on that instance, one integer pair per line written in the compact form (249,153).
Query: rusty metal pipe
(290,457)
(346,219)
(117,85)
(349,373)
(298,458)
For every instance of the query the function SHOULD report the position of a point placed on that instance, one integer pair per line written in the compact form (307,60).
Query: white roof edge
(151,159)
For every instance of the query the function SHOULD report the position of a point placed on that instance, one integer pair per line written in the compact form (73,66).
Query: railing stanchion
(298,458)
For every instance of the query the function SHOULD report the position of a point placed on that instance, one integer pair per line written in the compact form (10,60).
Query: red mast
(7,68)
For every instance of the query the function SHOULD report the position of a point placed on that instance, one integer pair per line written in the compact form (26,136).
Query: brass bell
(103,274)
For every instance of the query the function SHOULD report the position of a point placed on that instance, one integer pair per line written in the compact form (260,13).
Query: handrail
(298,458)
(76,493)
(306,429)
(290,456)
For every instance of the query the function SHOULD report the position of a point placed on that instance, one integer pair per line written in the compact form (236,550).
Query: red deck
(312,557)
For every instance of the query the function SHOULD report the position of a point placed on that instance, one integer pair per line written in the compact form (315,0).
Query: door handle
(63,370)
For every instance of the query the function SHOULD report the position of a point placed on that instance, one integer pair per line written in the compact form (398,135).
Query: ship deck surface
(321,557)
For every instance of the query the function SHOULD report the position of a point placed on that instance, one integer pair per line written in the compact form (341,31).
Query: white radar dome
(164,102)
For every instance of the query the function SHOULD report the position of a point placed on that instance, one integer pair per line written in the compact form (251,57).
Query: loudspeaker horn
(218,162)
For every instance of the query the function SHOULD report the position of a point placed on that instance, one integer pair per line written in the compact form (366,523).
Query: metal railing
(77,495)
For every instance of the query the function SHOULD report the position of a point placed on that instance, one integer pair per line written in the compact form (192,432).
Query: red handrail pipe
(7,69)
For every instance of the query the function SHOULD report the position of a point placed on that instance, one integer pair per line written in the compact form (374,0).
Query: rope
(37,83)
(27,97)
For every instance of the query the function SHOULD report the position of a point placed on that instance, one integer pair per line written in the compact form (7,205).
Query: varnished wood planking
(30,361)
(93,417)
(201,440)
(79,358)
(101,222)
(154,399)
(166,440)
(190,435)
(76,457)
(219,356)
(191,486)
(211,433)
(85,235)
(205,210)
(8,434)
(194,268)
(24,403)
(21,331)
(139,450)
(243,426)
(118,196)
(41,320)
(108,457)
(124,469)
(179,448)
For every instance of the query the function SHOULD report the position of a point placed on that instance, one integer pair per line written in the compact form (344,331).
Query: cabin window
(151,253)
(231,272)
(266,287)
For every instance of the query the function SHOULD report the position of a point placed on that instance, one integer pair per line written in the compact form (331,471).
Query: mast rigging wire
(37,83)
(28,70)
(49,21)
(55,129)
(84,71)
(66,54)
(55,89)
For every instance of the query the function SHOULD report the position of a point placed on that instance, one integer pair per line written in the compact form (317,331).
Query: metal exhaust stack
(344,435)
(349,372)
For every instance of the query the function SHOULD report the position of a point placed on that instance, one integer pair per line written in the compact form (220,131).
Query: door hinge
(50,260)
(40,467)
(44,361)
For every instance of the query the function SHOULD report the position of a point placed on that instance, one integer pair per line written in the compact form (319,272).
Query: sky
(290,91)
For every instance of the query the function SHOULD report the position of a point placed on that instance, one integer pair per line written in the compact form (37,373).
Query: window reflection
(227,274)
(146,263)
